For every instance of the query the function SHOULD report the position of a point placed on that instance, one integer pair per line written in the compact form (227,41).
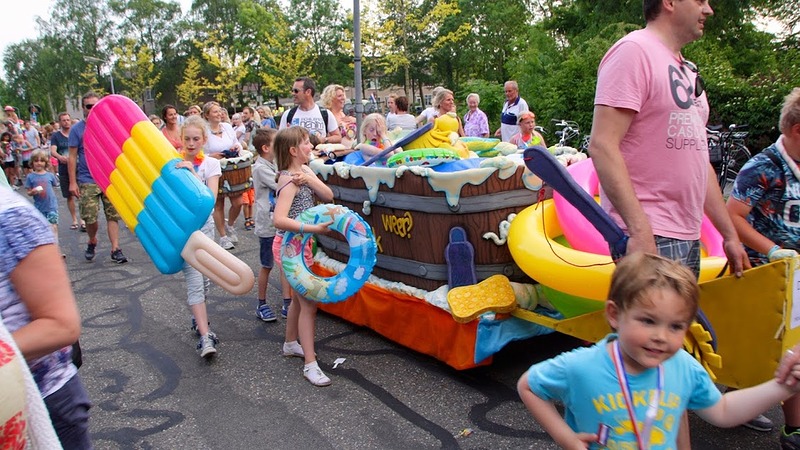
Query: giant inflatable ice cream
(134,165)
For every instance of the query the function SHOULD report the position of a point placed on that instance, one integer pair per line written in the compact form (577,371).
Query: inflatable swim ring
(422,157)
(580,233)
(533,245)
(362,255)
(479,144)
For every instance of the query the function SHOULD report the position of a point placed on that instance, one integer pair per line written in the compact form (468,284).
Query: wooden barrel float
(412,222)
(236,174)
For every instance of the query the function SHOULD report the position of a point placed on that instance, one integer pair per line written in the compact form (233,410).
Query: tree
(139,68)
(322,24)
(413,30)
(193,86)
(88,81)
(150,23)
(279,57)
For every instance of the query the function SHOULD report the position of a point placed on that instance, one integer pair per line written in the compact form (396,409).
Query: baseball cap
(9,108)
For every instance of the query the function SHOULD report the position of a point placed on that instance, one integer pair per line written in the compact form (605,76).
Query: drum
(236,174)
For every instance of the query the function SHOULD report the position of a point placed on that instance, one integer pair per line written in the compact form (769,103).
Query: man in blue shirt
(83,186)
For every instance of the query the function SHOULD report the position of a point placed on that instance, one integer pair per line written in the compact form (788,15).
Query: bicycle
(568,131)
(728,153)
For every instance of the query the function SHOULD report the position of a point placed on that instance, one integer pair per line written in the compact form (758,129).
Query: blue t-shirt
(22,230)
(61,143)
(585,381)
(46,200)
(774,194)
(76,140)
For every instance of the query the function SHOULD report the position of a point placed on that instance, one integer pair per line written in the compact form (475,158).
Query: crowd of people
(654,293)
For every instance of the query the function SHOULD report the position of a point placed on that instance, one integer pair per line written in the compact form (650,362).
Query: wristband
(331,155)
(774,249)
(301,227)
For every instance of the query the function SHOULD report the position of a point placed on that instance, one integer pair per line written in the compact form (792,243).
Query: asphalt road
(151,390)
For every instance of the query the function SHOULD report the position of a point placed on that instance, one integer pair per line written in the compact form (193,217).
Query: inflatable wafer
(134,164)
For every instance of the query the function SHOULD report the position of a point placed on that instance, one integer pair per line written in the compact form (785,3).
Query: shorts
(63,180)
(265,252)
(52,217)
(26,163)
(249,197)
(308,254)
(9,164)
(685,252)
(69,413)
(91,196)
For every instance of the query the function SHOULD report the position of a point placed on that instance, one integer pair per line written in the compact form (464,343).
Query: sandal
(83,227)
(74,226)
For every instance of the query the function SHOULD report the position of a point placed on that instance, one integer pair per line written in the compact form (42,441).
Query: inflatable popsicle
(134,165)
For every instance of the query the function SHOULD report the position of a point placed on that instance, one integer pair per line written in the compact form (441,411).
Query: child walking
(207,170)
(9,163)
(23,151)
(264,172)
(40,183)
(631,389)
(297,186)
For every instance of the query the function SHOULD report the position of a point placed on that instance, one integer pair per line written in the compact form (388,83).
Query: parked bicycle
(728,153)
(568,131)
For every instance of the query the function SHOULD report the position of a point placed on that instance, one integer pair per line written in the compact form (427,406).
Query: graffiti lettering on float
(398,225)
(377,240)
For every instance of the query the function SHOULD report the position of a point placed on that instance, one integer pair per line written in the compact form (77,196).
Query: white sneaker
(225,242)
(293,349)
(207,345)
(231,232)
(315,376)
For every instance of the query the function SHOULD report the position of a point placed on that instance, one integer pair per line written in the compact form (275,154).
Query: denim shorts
(265,252)
(69,412)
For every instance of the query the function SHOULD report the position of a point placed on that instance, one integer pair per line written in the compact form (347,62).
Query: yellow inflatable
(588,275)
(440,137)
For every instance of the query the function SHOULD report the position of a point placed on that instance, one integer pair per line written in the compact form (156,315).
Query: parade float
(472,255)
(468,254)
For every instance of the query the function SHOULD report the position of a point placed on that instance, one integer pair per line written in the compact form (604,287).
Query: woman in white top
(222,143)
(401,119)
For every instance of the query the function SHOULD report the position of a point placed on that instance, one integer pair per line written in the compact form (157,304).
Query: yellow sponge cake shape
(492,294)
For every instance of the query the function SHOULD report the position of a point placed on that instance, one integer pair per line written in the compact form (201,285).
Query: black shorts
(9,164)
(63,179)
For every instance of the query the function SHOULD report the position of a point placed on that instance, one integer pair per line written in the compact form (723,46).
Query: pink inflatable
(582,236)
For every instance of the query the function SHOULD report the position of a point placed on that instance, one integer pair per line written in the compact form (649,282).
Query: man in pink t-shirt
(649,140)
(649,143)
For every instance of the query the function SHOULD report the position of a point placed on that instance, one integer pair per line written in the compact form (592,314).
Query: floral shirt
(22,229)
(476,123)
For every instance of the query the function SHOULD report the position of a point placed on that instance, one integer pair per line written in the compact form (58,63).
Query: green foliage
(551,47)
(136,61)
(193,85)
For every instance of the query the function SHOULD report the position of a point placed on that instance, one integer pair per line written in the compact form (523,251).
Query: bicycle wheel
(739,154)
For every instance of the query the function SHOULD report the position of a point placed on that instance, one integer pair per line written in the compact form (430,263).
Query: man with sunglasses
(321,124)
(83,186)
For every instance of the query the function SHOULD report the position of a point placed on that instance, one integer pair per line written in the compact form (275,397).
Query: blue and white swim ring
(362,255)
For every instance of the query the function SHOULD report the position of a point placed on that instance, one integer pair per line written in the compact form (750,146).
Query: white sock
(311,365)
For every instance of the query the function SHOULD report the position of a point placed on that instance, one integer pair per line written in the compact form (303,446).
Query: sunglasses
(89,106)
(296,91)
(699,85)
